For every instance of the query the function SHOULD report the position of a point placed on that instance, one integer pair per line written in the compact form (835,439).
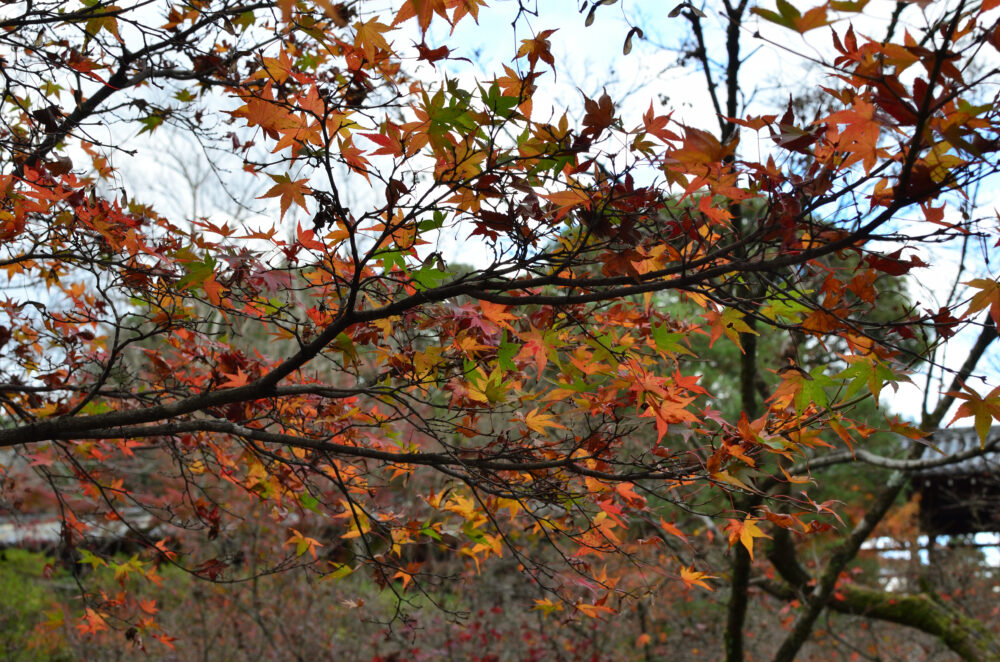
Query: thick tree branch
(966,636)
(469,460)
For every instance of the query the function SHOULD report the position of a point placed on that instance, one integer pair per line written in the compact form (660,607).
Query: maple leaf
(627,492)
(277,69)
(537,345)
(213,290)
(466,7)
(893,264)
(240,378)
(368,36)
(860,135)
(537,48)
(354,158)
(594,610)
(730,322)
(303,544)
(106,20)
(432,55)
(657,125)
(598,115)
(982,410)
(692,577)
(729,479)
(539,422)
(262,110)
(423,10)
(672,529)
(289,191)
(165,639)
(790,17)
(148,606)
(91,622)
(390,141)
(988,295)
(866,371)
(547,606)
(567,200)
(745,531)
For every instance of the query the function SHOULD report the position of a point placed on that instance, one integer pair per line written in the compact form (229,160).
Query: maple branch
(702,54)
(120,79)
(966,636)
(486,289)
(894,20)
(97,11)
(571,464)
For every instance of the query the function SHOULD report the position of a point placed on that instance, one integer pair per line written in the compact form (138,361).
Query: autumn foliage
(328,367)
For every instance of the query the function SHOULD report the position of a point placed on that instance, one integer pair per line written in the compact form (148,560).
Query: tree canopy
(328,365)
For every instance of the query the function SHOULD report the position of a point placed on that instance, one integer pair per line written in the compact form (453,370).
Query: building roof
(952,441)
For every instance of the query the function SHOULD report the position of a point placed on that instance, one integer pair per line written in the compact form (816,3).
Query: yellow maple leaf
(368,37)
(303,543)
(538,421)
(547,606)
(726,477)
(745,532)
(463,506)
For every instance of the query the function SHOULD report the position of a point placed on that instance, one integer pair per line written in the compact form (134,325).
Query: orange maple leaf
(860,135)
(91,622)
(240,378)
(538,48)
(672,530)
(423,10)
(692,577)
(626,491)
(278,69)
(595,610)
(463,7)
(567,200)
(262,110)
(657,125)
(288,191)
(536,345)
(988,295)
(303,543)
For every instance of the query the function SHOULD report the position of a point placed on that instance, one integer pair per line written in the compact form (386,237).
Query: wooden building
(963,497)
